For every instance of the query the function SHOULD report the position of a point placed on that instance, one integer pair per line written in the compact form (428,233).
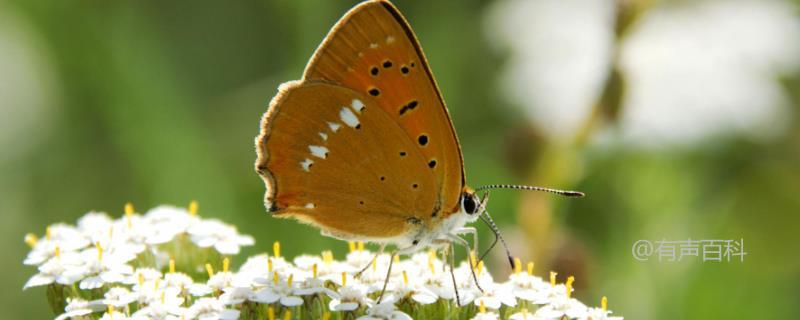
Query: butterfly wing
(330,157)
(373,51)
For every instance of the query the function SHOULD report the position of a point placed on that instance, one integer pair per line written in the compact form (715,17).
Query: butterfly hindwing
(331,157)
(372,50)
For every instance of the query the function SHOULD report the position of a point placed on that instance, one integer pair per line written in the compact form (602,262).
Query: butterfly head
(472,205)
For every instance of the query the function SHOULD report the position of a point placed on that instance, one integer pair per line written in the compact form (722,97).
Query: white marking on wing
(310,205)
(334,126)
(348,117)
(357,105)
(319,152)
(324,136)
(306,164)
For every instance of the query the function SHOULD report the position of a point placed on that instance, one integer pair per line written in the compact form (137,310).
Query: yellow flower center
(405,278)
(361,246)
(344,279)
(129,210)
(517,265)
(171,265)
(31,240)
(530,268)
(482,308)
(99,251)
(226,263)
(276,249)
(351,246)
(193,207)
(209,270)
(314,270)
(604,303)
(570,280)
(553,278)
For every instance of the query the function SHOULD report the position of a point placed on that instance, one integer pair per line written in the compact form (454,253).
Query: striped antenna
(566,193)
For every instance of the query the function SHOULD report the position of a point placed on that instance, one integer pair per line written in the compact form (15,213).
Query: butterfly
(362,146)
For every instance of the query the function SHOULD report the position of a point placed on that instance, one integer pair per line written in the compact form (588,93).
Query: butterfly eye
(469,203)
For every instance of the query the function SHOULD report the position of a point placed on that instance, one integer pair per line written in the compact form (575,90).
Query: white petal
(291,301)
(227,247)
(38,280)
(91,283)
(424,298)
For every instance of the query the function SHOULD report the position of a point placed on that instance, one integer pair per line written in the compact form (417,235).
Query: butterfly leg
(474,233)
(452,272)
(380,252)
(389,271)
(464,243)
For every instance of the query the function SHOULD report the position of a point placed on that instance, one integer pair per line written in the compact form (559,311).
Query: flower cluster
(171,264)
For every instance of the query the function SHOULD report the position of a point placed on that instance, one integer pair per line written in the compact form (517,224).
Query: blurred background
(679,119)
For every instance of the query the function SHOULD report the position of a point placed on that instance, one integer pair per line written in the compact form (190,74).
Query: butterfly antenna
(566,193)
(486,218)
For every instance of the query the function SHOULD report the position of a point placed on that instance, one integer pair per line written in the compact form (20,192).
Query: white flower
(411,287)
(178,280)
(79,307)
(114,315)
(104,268)
(235,295)
(220,280)
(562,306)
(167,306)
(94,223)
(210,308)
(310,286)
(59,237)
(306,262)
(143,274)
(167,222)
(441,284)
(348,298)
(599,314)
(700,69)
(386,310)
(118,297)
(281,291)
(62,269)
(359,258)
(560,55)
(224,238)
(549,293)
(524,315)
(494,296)
(526,286)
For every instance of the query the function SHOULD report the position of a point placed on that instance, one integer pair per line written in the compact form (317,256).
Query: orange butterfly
(363,146)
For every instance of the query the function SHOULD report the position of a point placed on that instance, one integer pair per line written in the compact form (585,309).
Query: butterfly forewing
(373,51)
(331,157)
